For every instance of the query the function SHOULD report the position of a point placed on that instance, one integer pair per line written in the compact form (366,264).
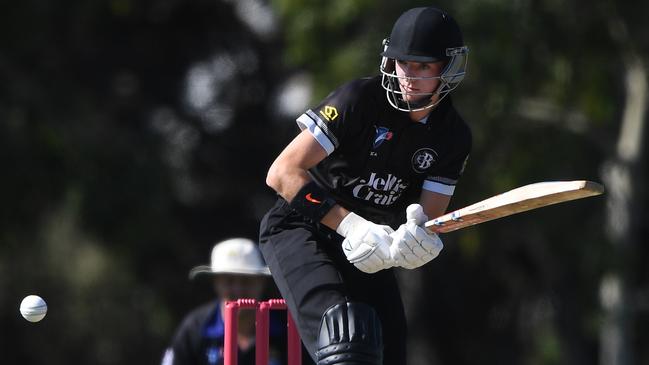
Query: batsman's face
(418,80)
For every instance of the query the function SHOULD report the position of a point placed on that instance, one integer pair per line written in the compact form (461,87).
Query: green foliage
(543,87)
(116,184)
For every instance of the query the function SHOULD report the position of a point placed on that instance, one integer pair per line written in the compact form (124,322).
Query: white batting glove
(412,245)
(366,244)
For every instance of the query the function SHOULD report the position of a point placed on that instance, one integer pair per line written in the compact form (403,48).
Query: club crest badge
(423,159)
(382,134)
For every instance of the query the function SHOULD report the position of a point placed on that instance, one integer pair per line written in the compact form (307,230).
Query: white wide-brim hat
(239,256)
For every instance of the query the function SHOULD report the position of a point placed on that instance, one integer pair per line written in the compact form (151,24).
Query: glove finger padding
(412,245)
(428,241)
(403,249)
(360,248)
(371,265)
(374,258)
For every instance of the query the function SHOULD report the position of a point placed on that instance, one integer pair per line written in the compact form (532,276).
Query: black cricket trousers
(313,274)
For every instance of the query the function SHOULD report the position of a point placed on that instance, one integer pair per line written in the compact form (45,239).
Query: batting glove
(366,244)
(413,245)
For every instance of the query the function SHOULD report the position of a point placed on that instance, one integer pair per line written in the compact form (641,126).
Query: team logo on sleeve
(382,134)
(329,113)
(423,159)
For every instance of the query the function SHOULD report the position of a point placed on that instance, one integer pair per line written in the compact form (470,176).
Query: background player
(366,152)
(238,271)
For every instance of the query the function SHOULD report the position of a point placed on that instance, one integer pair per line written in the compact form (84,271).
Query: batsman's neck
(419,115)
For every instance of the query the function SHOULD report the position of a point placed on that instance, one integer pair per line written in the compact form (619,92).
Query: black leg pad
(350,334)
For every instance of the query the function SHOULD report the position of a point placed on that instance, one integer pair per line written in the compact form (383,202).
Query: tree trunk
(623,177)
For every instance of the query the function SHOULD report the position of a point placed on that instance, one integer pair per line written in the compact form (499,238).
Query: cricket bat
(518,200)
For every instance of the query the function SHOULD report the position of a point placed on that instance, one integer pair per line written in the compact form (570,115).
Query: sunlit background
(135,134)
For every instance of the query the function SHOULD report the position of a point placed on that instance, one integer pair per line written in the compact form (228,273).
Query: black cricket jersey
(379,160)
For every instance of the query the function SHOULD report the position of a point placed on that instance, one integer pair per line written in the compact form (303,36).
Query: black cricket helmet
(425,34)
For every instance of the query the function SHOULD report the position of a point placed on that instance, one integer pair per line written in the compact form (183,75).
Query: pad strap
(312,201)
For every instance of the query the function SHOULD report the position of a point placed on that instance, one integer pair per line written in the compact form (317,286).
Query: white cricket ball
(33,308)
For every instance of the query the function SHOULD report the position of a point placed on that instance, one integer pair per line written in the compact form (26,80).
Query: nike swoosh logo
(312,199)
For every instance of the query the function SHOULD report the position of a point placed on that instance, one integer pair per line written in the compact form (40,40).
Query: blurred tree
(135,134)
(543,95)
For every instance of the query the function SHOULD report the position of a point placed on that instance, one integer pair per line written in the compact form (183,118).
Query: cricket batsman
(372,162)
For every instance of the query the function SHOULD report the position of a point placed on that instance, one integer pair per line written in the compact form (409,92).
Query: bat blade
(514,201)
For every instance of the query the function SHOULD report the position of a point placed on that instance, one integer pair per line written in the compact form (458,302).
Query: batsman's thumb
(415,212)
